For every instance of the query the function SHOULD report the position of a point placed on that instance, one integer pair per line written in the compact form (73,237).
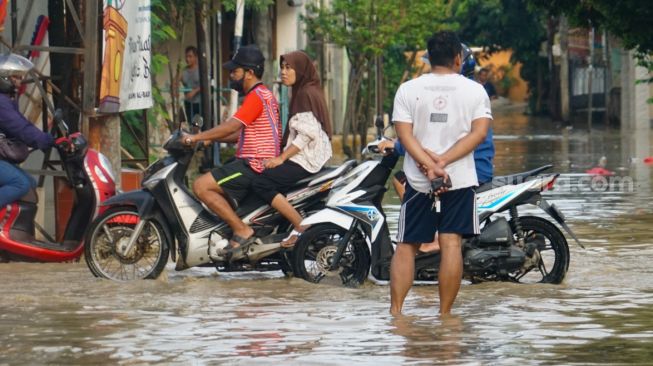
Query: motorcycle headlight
(106,165)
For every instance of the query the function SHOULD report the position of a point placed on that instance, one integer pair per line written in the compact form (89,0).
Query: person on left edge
(190,78)
(256,128)
(14,182)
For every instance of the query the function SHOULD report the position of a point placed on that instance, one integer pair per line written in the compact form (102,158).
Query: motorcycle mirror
(59,122)
(198,121)
(58,115)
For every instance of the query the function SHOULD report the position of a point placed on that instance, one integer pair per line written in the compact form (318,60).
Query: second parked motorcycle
(350,239)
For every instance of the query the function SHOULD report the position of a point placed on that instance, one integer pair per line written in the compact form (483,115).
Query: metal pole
(217,58)
(589,79)
(91,62)
(202,58)
(14,22)
(202,51)
(564,69)
(238,36)
(607,77)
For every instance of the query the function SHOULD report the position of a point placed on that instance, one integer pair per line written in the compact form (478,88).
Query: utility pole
(205,91)
(607,77)
(564,69)
(200,31)
(238,36)
(91,61)
(590,76)
(103,132)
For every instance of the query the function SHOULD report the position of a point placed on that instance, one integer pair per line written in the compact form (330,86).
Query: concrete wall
(636,113)
(518,91)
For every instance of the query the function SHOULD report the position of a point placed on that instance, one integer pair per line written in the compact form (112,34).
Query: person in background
(307,137)
(190,79)
(483,78)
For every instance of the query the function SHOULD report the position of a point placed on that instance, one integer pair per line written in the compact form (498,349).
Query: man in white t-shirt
(440,118)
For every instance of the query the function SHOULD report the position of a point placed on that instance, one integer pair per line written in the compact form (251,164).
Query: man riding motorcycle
(256,128)
(14,182)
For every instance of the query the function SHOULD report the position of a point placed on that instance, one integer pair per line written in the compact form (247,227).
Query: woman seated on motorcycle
(14,182)
(307,140)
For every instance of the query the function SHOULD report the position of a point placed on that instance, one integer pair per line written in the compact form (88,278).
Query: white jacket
(307,134)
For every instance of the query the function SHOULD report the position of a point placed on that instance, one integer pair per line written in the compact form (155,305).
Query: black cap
(247,57)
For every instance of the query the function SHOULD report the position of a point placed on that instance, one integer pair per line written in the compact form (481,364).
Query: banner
(126,78)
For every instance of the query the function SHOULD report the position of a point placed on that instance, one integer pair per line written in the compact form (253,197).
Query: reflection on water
(603,313)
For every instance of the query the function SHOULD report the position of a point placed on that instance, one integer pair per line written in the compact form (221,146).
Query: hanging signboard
(126,78)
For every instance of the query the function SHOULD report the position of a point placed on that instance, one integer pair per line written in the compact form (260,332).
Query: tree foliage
(630,20)
(367,29)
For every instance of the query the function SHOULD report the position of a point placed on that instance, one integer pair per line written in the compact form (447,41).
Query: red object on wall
(3,13)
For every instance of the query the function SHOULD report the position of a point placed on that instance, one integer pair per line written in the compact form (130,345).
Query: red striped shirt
(260,139)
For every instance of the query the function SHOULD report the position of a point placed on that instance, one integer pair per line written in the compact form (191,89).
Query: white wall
(289,34)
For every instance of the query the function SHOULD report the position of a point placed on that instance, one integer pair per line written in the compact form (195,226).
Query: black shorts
(235,178)
(419,219)
(278,180)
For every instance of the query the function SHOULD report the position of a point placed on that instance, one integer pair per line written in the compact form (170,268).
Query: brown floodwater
(601,314)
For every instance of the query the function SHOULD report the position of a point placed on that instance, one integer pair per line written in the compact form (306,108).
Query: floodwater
(601,314)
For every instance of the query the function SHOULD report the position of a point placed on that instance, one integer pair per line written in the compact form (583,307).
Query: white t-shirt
(441,108)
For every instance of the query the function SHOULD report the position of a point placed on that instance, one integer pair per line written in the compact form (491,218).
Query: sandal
(291,239)
(229,251)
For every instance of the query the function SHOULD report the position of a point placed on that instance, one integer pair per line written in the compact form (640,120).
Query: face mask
(238,85)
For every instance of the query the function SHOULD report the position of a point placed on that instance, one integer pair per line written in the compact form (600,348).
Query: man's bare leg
(451,270)
(402,271)
(209,192)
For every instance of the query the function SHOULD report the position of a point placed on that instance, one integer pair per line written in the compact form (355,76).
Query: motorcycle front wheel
(315,250)
(550,261)
(107,239)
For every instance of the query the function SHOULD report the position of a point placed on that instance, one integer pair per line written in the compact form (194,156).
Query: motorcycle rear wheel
(553,249)
(314,250)
(114,227)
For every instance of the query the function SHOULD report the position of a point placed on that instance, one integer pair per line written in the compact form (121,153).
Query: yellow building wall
(497,62)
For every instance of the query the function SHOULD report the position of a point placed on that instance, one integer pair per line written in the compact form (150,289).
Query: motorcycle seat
(518,178)
(328,172)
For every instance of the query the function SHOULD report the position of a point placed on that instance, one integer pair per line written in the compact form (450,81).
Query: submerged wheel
(314,251)
(108,237)
(550,260)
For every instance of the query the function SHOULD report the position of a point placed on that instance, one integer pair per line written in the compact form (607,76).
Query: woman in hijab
(307,140)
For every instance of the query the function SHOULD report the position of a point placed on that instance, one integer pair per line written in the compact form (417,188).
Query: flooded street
(601,314)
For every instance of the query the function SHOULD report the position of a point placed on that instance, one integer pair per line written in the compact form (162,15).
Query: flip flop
(285,243)
(229,251)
